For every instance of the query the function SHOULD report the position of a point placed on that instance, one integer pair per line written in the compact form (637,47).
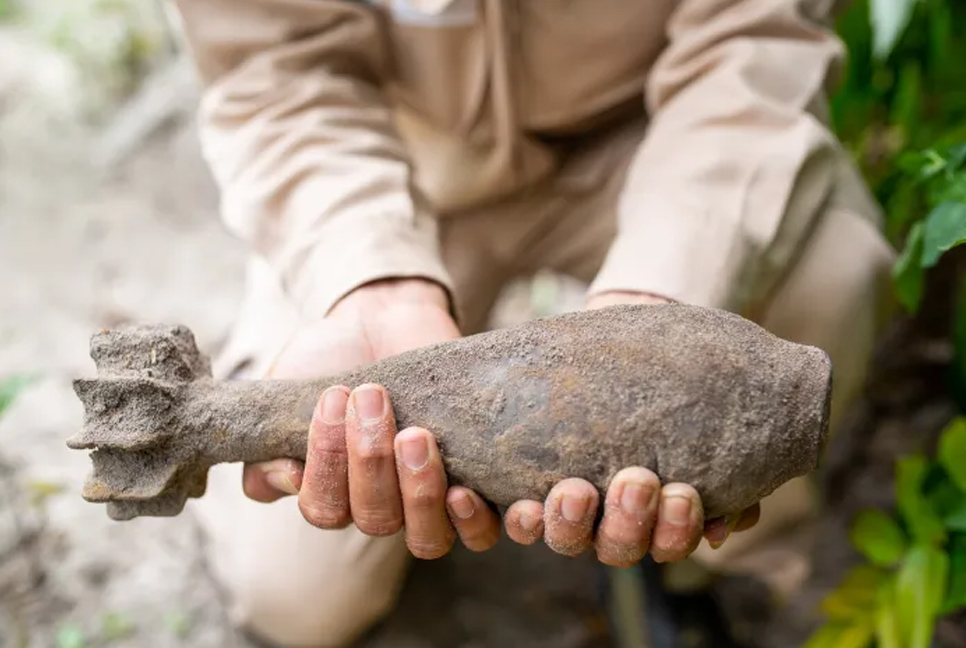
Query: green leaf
(11,387)
(886,620)
(41,490)
(950,189)
(856,595)
(907,105)
(878,537)
(958,368)
(177,623)
(907,274)
(943,495)
(857,634)
(889,20)
(917,511)
(957,156)
(956,593)
(945,228)
(70,637)
(116,626)
(921,164)
(956,520)
(952,451)
(920,590)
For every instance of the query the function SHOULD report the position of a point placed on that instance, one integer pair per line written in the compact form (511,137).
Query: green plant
(902,113)
(943,174)
(10,388)
(70,636)
(116,626)
(916,569)
(903,92)
(177,623)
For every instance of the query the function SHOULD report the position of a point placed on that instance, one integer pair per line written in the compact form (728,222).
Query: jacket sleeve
(299,137)
(738,158)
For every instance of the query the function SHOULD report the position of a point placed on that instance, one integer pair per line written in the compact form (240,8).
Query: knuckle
(567,544)
(672,548)
(619,533)
(378,523)
(618,551)
(374,453)
(425,498)
(325,517)
(429,548)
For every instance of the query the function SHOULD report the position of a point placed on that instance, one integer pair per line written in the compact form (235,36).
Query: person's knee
(288,611)
(288,583)
(838,297)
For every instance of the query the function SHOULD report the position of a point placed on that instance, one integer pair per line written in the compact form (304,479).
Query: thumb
(272,480)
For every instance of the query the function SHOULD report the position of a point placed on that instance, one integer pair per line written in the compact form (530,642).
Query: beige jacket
(339,131)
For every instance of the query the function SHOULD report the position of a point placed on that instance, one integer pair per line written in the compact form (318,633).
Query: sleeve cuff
(367,250)
(683,253)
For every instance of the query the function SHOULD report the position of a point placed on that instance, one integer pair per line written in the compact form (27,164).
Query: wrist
(377,296)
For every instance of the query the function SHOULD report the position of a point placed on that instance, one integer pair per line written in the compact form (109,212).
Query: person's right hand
(358,470)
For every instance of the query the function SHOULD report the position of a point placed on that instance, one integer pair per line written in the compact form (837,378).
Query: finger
(630,513)
(568,517)
(478,525)
(422,483)
(374,500)
(324,496)
(524,521)
(718,530)
(749,518)
(680,522)
(272,480)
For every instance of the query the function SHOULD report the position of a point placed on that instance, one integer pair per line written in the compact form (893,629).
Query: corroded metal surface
(698,395)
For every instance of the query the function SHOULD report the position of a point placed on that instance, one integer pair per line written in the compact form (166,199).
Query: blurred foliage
(904,100)
(916,569)
(11,387)
(901,111)
(115,41)
(941,176)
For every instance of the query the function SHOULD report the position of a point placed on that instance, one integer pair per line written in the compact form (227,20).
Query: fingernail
(370,404)
(635,499)
(677,510)
(462,507)
(333,405)
(529,522)
(726,530)
(280,480)
(415,453)
(573,508)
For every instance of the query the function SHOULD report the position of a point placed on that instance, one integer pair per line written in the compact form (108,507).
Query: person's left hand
(640,515)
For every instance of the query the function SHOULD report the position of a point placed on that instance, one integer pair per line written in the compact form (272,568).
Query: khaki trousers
(294,585)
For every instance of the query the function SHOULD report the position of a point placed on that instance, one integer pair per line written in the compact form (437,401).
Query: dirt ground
(79,252)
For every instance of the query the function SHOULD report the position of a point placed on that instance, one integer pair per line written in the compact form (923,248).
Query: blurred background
(108,215)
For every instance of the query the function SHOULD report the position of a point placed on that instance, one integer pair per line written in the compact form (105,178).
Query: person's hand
(358,469)
(640,515)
